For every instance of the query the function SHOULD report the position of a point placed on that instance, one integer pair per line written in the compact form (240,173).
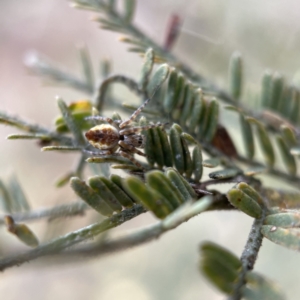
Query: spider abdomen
(103,136)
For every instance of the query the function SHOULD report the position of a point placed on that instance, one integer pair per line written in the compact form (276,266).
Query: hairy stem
(73,238)
(60,211)
(143,235)
(249,256)
(104,85)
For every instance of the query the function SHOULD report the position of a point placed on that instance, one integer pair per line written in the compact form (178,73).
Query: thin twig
(291,179)
(60,211)
(43,67)
(104,85)
(249,256)
(15,121)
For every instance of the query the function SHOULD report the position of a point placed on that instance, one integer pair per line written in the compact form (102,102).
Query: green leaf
(289,238)
(197,163)
(188,164)
(288,159)
(61,148)
(159,77)
(288,136)
(180,184)
(147,196)
(150,147)
(245,203)
(265,142)
(198,112)
(98,185)
(177,151)
(119,194)
(232,108)
(79,118)
(165,145)
(294,113)
(223,174)
(36,136)
(211,162)
(187,104)
(64,179)
(284,220)
(159,182)
(247,136)
(277,90)
(107,159)
(157,150)
(255,170)
(283,199)
(214,250)
(5,198)
(266,146)
(250,191)
(90,197)
(235,75)
(174,91)
(17,193)
(146,69)
(212,120)
(266,89)
(129,10)
(22,232)
(71,122)
(220,266)
(260,288)
(118,181)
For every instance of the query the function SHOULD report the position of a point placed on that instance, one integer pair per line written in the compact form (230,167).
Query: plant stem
(104,86)
(146,234)
(72,238)
(249,256)
(145,42)
(60,211)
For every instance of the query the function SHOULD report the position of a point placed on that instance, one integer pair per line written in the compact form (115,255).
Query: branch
(249,256)
(72,238)
(7,119)
(146,234)
(43,67)
(116,22)
(65,210)
(291,179)
(104,85)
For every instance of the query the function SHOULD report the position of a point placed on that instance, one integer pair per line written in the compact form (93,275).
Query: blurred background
(267,35)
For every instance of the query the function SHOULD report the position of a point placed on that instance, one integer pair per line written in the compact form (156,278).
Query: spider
(118,135)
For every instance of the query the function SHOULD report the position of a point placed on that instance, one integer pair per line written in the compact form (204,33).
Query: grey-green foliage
(185,135)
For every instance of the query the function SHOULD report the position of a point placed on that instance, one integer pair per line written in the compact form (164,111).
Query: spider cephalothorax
(118,135)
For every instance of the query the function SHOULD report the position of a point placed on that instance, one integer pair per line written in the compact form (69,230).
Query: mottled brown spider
(118,137)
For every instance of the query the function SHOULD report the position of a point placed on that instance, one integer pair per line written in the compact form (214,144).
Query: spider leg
(97,153)
(132,159)
(127,131)
(135,114)
(130,148)
(118,121)
(103,119)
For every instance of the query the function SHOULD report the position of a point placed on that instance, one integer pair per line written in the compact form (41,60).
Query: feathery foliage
(182,136)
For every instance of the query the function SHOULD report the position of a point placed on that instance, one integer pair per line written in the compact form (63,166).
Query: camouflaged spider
(118,135)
